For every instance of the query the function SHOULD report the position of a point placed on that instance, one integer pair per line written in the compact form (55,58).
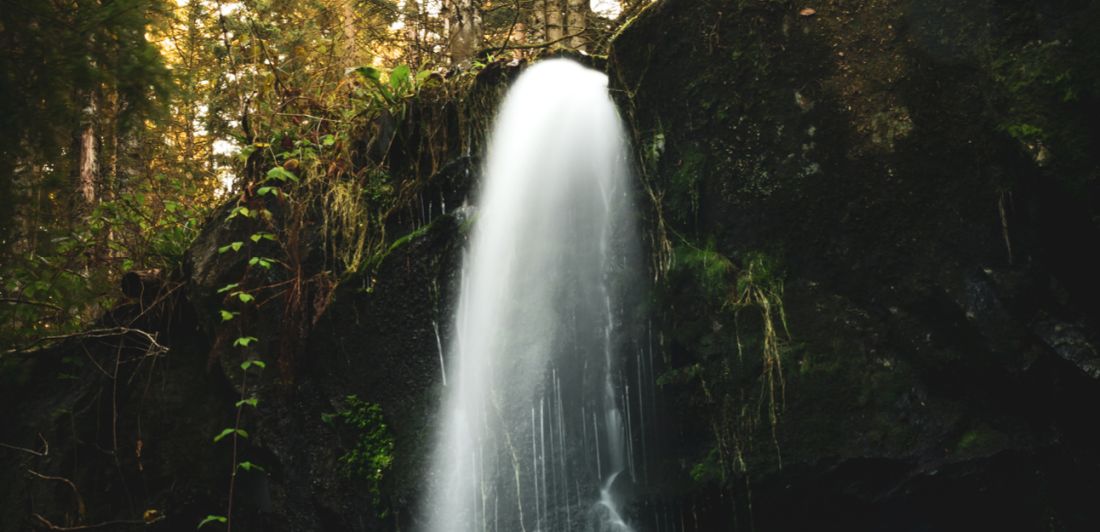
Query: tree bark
(554,29)
(351,33)
(465,30)
(576,22)
(87,163)
(7,207)
(538,21)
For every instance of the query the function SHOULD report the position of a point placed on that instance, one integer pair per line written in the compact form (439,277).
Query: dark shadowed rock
(932,239)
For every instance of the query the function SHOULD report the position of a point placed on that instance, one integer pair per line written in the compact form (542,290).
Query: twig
(16,300)
(44,452)
(50,526)
(81,509)
(539,44)
(96,333)
(512,28)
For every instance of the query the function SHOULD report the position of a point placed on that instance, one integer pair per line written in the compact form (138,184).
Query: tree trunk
(538,21)
(350,28)
(465,31)
(554,23)
(7,207)
(88,164)
(576,22)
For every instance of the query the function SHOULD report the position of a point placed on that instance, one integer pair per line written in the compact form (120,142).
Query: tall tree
(464,19)
(60,59)
(576,22)
(554,23)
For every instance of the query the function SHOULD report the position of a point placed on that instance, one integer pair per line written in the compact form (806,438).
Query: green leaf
(251,401)
(263,262)
(244,341)
(249,363)
(242,433)
(245,297)
(211,519)
(221,435)
(386,93)
(235,246)
(399,76)
(328,140)
(369,73)
(423,75)
(249,466)
(256,237)
(239,211)
(228,287)
(263,191)
(228,315)
(281,174)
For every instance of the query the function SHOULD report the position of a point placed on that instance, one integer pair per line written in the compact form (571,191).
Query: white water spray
(537,338)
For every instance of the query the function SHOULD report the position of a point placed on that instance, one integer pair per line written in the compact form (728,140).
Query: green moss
(710,269)
(709,469)
(419,232)
(687,180)
(978,440)
(371,453)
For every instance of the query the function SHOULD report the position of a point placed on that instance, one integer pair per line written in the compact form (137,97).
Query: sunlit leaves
(249,466)
(235,246)
(244,341)
(228,432)
(212,519)
(280,173)
(263,262)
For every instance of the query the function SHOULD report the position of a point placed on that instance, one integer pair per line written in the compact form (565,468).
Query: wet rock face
(381,340)
(923,174)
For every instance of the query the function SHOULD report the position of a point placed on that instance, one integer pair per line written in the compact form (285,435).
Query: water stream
(533,435)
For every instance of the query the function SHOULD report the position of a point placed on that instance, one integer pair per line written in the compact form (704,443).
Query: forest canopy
(123,123)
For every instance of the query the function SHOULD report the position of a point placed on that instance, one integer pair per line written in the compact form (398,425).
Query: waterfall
(531,434)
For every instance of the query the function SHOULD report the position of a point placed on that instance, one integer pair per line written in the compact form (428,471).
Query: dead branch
(50,526)
(80,508)
(44,452)
(154,346)
(20,301)
(544,44)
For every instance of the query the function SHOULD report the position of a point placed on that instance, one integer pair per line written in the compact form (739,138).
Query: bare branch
(81,509)
(50,526)
(154,346)
(539,44)
(20,301)
(44,452)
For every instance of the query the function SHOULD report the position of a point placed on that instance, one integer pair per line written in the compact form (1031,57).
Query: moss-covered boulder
(922,180)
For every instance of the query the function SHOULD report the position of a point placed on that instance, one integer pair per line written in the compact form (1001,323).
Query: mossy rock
(924,173)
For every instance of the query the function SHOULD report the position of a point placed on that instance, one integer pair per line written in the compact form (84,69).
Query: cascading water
(532,433)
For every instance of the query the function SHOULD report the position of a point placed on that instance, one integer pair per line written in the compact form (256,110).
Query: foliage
(370,455)
(125,124)
(748,295)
